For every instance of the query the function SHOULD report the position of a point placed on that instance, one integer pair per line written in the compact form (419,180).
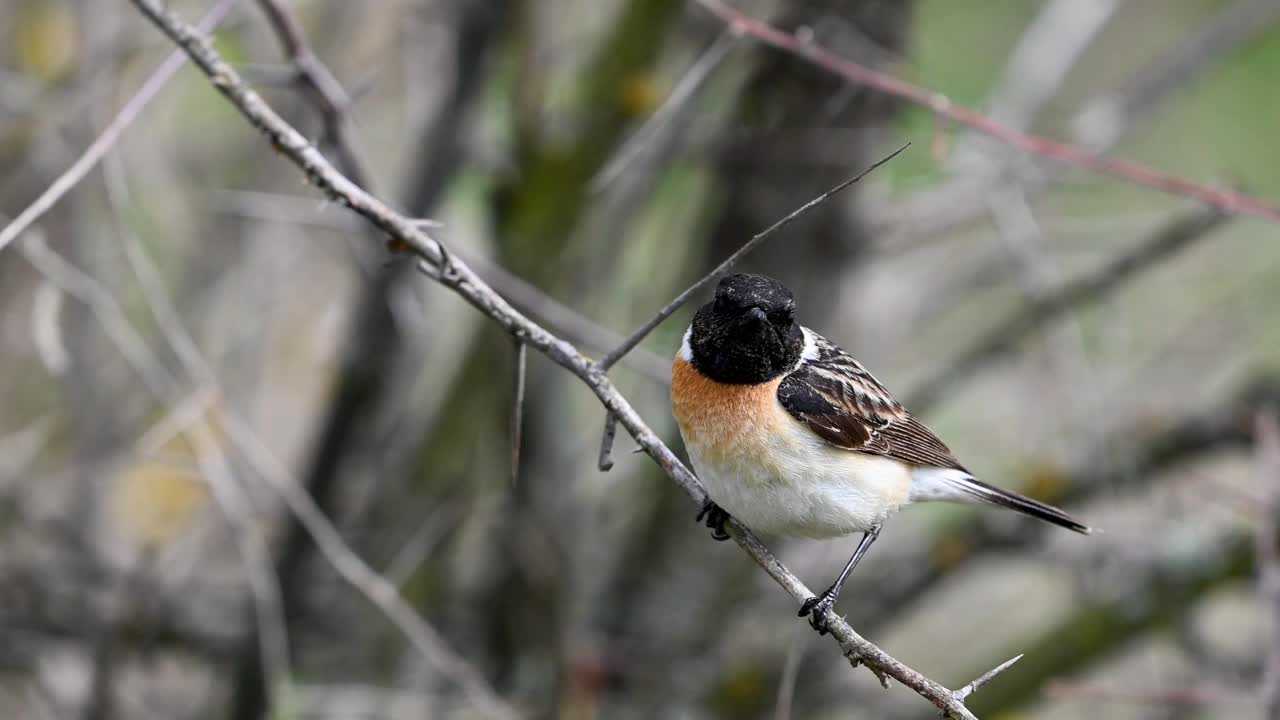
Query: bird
(790,435)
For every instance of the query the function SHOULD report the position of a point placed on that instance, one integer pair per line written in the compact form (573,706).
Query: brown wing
(843,404)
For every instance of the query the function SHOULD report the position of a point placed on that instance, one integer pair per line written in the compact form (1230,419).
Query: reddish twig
(939,104)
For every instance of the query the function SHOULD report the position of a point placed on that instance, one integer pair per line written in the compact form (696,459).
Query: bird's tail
(958,486)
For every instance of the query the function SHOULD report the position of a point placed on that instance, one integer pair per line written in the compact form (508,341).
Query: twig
(643,331)
(1161,245)
(517,408)
(661,119)
(472,289)
(1267,550)
(108,137)
(939,104)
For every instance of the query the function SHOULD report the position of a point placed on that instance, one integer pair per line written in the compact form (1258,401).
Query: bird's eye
(721,305)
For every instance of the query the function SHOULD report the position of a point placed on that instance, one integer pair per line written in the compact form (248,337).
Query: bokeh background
(1084,340)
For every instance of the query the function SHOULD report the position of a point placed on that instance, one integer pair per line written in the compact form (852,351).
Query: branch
(454,274)
(939,104)
(634,338)
(1166,241)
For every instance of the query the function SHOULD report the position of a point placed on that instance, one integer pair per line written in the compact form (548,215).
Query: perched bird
(792,436)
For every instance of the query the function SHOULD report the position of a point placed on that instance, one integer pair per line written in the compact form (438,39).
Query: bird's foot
(716,518)
(819,608)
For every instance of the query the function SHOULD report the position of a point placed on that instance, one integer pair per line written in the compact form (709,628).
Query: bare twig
(107,139)
(802,47)
(471,288)
(1267,549)
(661,119)
(517,407)
(1164,243)
(643,331)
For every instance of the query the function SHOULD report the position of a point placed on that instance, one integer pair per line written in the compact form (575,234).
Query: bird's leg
(817,607)
(716,518)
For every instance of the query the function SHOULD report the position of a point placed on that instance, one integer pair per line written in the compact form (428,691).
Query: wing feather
(841,402)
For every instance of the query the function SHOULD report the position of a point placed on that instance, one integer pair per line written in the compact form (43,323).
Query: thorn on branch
(605,461)
(517,408)
(983,679)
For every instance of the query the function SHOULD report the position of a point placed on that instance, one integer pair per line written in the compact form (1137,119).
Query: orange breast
(722,422)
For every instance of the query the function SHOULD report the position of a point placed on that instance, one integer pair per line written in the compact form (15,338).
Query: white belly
(770,471)
(805,487)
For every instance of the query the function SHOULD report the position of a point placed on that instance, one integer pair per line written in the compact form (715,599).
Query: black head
(748,333)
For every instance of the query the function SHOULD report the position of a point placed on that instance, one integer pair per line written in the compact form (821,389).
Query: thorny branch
(801,46)
(456,275)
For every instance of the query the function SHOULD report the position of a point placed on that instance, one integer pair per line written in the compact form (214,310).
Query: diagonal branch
(1135,173)
(455,274)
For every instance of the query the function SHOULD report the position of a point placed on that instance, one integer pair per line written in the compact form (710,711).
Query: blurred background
(191,327)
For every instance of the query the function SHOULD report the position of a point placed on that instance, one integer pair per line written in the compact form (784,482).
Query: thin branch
(1137,174)
(108,137)
(1163,244)
(643,331)
(644,139)
(457,276)
(517,407)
